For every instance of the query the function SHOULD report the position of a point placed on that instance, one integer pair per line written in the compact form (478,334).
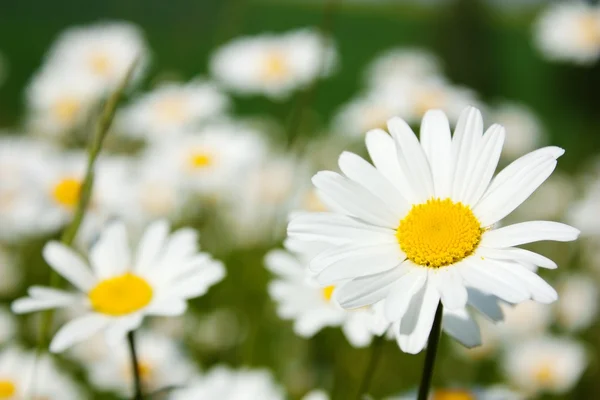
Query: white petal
(363,173)
(69,264)
(528,232)
(483,170)
(402,292)
(368,290)
(517,254)
(462,327)
(26,305)
(151,245)
(452,290)
(111,255)
(483,276)
(284,264)
(436,141)
(465,145)
(355,199)
(310,323)
(78,330)
(349,262)
(486,304)
(498,203)
(382,150)
(167,308)
(415,327)
(539,289)
(198,283)
(412,159)
(357,332)
(120,327)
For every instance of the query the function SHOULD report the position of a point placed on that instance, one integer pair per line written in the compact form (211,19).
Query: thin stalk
(137,380)
(432,346)
(374,358)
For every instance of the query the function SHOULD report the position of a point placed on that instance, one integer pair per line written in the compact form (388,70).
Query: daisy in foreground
(419,227)
(118,287)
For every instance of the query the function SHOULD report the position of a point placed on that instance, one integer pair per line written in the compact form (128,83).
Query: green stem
(137,380)
(376,348)
(432,346)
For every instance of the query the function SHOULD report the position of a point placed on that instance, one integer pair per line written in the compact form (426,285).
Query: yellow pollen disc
(66,192)
(171,109)
(450,394)
(7,389)
(275,66)
(200,159)
(328,292)
(121,295)
(438,233)
(544,374)
(66,109)
(99,63)
(145,370)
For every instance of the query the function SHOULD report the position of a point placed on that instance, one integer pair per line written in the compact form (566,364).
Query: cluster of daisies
(372,250)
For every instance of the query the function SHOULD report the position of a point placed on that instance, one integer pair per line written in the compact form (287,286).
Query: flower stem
(432,346)
(376,348)
(137,381)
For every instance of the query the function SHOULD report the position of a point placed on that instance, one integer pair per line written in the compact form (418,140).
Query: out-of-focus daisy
(313,308)
(527,319)
(316,395)
(545,364)
(102,53)
(552,199)
(569,31)
(172,108)
(8,325)
(120,286)
(25,376)
(419,226)
(524,131)
(161,362)
(492,393)
(227,384)
(490,342)
(400,64)
(273,64)
(584,213)
(578,305)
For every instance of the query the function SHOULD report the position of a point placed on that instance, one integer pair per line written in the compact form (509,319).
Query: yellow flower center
(438,233)
(120,295)
(275,66)
(544,374)
(66,192)
(450,394)
(312,202)
(99,63)
(171,109)
(328,292)
(429,99)
(200,159)
(376,118)
(7,389)
(66,109)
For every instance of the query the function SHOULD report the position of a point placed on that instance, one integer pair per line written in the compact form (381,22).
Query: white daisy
(419,226)
(273,65)
(584,213)
(162,364)
(25,376)
(551,200)
(578,305)
(526,319)
(119,287)
(172,108)
(569,31)
(492,393)
(227,384)
(102,52)
(399,64)
(545,364)
(316,395)
(524,130)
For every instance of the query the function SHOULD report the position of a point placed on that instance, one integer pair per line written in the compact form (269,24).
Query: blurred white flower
(172,108)
(162,364)
(119,287)
(545,364)
(526,319)
(578,305)
(102,53)
(10,275)
(490,342)
(492,393)
(316,395)
(313,308)
(274,65)
(569,31)
(25,376)
(584,213)
(8,324)
(397,65)
(227,384)
(551,200)
(524,131)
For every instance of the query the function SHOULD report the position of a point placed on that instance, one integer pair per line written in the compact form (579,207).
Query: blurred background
(472,52)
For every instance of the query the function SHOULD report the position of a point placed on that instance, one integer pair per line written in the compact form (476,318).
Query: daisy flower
(492,393)
(400,64)
(578,305)
(316,395)
(569,31)
(523,320)
(273,65)
(420,226)
(227,384)
(119,287)
(524,130)
(545,364)
(172,108)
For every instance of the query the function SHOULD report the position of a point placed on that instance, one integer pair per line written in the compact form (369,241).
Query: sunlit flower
(492,393)
(25,376)
(399,64)
(172,108)
(162,364)
(419,227)
(545,364)
(578,305)
(227,384)
(524,131)
(273,65)
(120,286)
(569,31)
(102,52)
